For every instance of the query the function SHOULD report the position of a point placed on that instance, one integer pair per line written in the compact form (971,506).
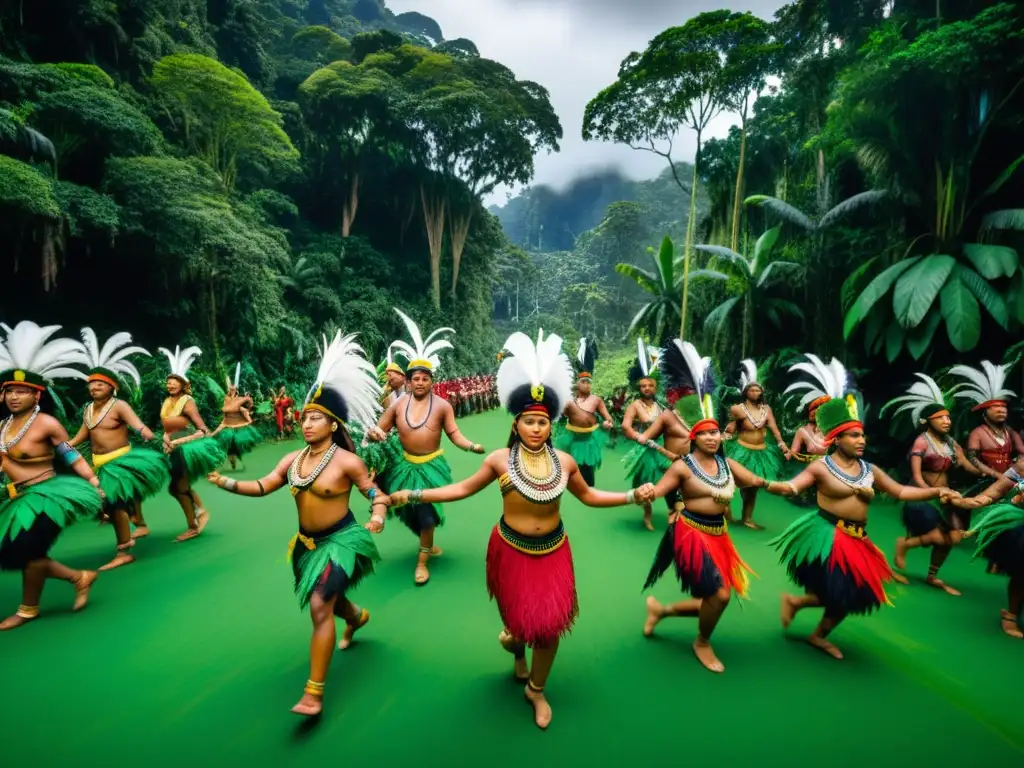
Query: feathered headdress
(923,399)
(586,358)
(109,363)
(749,376)
(534,377)
(984,388)
(30,358)
(346,387)
(690,381)
(421,355)
(646,364)
(238,375)
(829,381)
(180,360)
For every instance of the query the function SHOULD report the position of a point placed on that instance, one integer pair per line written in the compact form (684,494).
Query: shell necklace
(864,478)
(761,419)
(91,422)
(5,444)
(721,484)
(534,486)
(299,483)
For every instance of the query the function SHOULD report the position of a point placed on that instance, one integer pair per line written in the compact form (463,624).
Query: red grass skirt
(536,593)
(704,557)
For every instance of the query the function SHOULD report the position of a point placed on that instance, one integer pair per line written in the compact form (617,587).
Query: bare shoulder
(497,460)
(286,462)
(48,422)
(736,410)
(567,461)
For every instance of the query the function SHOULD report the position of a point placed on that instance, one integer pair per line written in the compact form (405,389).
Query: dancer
(992,447)
(235,433)
(697,542)
(37,504)
(827,552)
(529,562)
(752,419)
(331,554)
(582,437)
(381,457)
(1000,540)
(420,420)
(191,452)
(932,456)
(128,475)
(283,413)
(644,464)
(396,383)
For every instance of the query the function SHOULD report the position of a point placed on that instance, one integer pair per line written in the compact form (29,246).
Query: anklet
(27,611)
(314,689)
(426,550)
(533,687)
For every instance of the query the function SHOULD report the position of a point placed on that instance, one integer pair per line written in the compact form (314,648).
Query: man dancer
(643,464)
(582,438)
(420,419)
(381,457)
(128,475)
(932,456)
(754,418)
(992,447)
(37,504)
(827,551)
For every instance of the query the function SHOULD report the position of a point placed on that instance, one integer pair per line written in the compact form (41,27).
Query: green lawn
(197,651)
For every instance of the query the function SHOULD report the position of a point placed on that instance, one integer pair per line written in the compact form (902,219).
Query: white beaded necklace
(5,444)
(92,424)
(299,483)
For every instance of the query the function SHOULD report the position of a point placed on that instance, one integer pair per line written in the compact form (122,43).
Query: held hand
(375,525)
(215,478)
(147,434)
(377,435)
(399,498)
(607,424)
(644,494)
(477,448)
(946,495)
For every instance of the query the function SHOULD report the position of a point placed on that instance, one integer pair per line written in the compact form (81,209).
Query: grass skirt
(408,475)
(587,448)
(341,557)
(645,465)
(196,459)
(846,571)
(379,458)
(1000,539)
(31,522)
(536,593)
(767,463)
(239,441)
(705,561)
(135,476)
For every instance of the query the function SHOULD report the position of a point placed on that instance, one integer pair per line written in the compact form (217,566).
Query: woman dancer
(331,553)
(529,563)
(283,413)
(236,434)
(644,464)
(186,440)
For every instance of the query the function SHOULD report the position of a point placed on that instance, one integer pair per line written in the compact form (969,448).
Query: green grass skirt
(342,556)
(379,458)
(767,463)
(196,459)
(1000,538)
(645,465)
(406,475)
(240,441)
(31,522)
(137,475)
(587,448)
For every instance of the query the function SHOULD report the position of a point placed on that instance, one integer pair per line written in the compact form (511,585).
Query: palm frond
(783,210)
(851,204)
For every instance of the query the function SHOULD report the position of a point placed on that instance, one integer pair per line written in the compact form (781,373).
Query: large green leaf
(646,280)
(852,283)
(716,318)
(1011,218)
(876,289)
(992,261)
(778,269)
(1015,297)
(920,338)
(917,288)
(665,262)
(874,329)
(962,315)
(894,338)
(728,255)
(765,243)
(986,295)
(708,274)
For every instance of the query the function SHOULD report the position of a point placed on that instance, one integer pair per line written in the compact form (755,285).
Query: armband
(371,494)
(67,453)
(263,491)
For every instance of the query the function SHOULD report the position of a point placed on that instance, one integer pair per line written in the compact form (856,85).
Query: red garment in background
(281,406)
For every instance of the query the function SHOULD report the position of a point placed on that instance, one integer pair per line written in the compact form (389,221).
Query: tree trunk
(211,316)
(350,206)
(459,231)
(689,241)
(735,240)
(748,324)
(433,216)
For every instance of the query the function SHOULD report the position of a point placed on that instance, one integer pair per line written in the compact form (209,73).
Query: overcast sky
(573,48)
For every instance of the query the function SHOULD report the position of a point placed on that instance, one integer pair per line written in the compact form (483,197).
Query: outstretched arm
(191,411)
(745,478)
(670,481)
(70,456)
(974,455)
(81,436)
(963,462)
(387,422)
(890,487)
(454,434)
(358,474)
(129,417)
(473,484)
(276,480)
(798,442)
(592,497)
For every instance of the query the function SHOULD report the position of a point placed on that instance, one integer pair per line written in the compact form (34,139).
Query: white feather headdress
(830,380)
(180,360)
(749,375)
(921,395)
(984,386)
(647,360)
(112,356)
(238,375)
(28,355)
(422,353)
(534,373)
(346,383)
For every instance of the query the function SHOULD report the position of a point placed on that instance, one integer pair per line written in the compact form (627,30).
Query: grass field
(196,653)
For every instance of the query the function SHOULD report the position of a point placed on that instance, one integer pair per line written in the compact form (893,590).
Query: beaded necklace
(5,444)
(430,407)
(999,438)
(299,483)
(761,419)
(89,421)
(864,478)
(540,490)
(943,449)
(721,484)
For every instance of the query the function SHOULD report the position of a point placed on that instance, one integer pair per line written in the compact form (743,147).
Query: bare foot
(436,552)
(202,518)
(520,669)
(900,560)
(351,627)
(752,525)
(820,642)
(422,575)
(706,656)
(541,708)
(82,586)
(309,705)
(940,584)
(1007,620)
(899,578)
(141,532)
(191,533)
(15,621)
(790,606)
(655,612)
(121,558)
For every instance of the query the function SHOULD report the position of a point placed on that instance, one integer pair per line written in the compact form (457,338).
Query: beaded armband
(67,453)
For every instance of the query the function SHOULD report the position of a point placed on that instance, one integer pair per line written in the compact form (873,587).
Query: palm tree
(757,275)
(659,316)
(297,274)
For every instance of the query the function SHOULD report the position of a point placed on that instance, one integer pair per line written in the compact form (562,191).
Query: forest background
(249,175)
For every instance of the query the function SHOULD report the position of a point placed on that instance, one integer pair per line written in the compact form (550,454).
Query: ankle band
(314,688)
(27,611)
(426,550)
(533,687)
(933,571)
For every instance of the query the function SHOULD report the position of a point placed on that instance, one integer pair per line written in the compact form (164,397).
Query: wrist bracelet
(415,497)
(630,495)
(230,484)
